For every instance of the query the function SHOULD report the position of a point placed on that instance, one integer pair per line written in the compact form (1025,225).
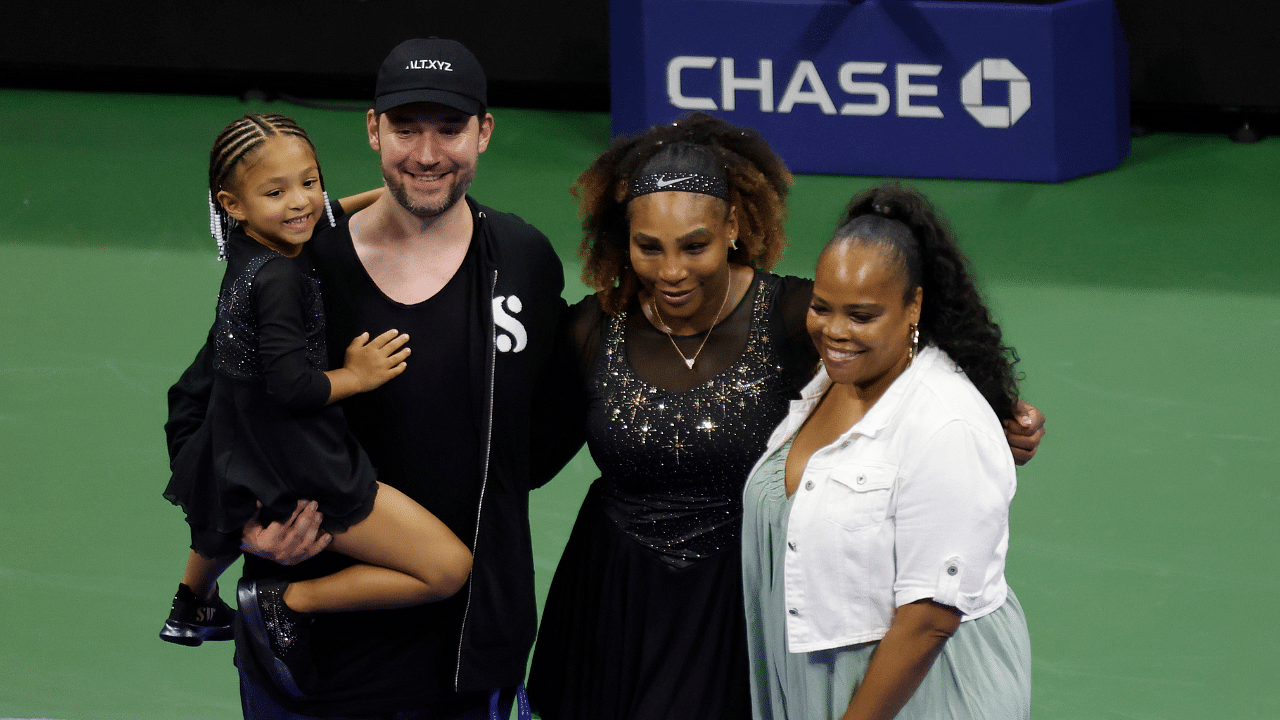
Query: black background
(1194,65)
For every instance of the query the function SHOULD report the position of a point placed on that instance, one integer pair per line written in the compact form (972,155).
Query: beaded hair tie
(328,210)
(220,230)
(216,228)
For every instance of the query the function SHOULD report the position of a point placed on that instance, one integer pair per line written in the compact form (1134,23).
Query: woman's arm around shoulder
(791,308)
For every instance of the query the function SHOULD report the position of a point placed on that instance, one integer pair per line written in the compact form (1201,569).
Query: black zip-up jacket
(523,390)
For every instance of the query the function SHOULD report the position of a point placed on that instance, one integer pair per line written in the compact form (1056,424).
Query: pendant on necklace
(689,361)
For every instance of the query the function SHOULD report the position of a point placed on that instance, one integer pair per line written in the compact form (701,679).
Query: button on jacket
(910,503)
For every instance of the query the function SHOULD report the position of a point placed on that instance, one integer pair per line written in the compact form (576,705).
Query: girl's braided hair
(234,144)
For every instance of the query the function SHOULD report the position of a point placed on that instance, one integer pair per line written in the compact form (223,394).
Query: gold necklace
(689,361)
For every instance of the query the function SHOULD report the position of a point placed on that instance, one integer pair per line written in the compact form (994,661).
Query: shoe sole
(251,611)
(192,635)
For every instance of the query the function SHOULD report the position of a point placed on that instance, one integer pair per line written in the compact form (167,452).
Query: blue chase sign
(917,88)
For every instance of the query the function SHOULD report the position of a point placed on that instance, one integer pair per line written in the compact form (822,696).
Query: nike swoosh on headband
(665,183)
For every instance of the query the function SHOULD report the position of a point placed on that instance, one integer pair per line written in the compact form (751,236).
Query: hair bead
(328,210)
(216,229)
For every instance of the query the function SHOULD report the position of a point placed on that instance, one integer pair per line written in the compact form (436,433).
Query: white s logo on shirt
(515,339)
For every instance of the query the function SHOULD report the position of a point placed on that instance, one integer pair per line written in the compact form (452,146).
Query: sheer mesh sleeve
(280,307)
(583,329)
(560,399)
(792,308)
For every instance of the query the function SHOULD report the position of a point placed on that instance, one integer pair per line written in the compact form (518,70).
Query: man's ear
(371,127)
(486,131)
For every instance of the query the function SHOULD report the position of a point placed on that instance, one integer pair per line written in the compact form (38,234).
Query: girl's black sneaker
(192,620)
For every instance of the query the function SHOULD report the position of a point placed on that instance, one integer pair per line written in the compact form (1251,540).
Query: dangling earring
(733,244)
(216,229)
(328,210)
(915,344)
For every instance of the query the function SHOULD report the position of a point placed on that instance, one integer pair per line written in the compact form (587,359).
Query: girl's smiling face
(276,195)
(859,319)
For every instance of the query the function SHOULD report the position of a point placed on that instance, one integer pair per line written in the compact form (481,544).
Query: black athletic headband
(681,167)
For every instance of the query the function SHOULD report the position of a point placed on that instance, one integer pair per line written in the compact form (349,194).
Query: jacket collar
(883,411)
(488,250)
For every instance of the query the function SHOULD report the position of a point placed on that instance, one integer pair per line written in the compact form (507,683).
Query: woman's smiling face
(859,320)
(679,248)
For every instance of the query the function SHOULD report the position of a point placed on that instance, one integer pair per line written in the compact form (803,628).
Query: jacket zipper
(484,474)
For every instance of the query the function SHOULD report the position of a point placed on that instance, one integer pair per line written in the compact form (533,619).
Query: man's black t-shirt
(420,430)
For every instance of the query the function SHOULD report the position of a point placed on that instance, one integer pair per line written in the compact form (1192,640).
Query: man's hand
(291,542)
(1024,432)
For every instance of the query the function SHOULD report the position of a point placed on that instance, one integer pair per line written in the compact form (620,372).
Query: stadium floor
(1145,303)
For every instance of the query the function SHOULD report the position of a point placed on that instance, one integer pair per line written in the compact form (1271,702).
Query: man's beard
(396,187)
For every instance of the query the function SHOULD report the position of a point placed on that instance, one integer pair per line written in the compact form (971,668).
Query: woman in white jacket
(876,524)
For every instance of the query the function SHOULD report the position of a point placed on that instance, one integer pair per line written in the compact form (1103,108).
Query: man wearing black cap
(474,422)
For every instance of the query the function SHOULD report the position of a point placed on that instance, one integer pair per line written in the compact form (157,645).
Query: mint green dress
(983,672)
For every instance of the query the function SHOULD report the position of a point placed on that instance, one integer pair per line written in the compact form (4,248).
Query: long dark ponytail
(953,316)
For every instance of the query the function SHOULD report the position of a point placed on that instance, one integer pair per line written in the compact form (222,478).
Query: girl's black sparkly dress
(644,618)
(270,435)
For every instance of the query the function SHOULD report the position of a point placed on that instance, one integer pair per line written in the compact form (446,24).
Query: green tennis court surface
(1145,303)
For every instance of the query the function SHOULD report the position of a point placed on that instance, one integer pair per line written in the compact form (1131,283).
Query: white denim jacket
(912,502)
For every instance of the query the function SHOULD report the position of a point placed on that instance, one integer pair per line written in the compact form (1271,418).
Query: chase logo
(514,338)
(995,116)
(858,88)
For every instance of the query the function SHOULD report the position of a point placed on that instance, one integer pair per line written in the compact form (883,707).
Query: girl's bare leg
(410,558)
(202,573)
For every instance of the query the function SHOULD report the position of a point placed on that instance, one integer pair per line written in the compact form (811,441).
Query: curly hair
(953,316)
(758,185)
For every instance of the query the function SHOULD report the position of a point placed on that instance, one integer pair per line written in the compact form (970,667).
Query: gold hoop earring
(915,344)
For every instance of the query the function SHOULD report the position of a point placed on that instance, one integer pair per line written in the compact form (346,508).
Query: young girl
(272,434)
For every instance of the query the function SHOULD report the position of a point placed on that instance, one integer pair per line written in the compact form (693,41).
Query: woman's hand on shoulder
(1024,431)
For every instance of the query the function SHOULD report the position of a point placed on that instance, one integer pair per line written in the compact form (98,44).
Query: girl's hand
(376,361)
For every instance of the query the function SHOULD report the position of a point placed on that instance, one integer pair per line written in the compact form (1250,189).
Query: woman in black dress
(690,352)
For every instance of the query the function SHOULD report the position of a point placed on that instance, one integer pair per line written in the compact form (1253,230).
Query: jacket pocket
(859,494)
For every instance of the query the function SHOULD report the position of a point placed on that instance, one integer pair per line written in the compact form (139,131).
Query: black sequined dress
(644,618)
(269,435)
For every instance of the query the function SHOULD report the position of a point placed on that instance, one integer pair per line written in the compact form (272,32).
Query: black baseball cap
(431,70)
